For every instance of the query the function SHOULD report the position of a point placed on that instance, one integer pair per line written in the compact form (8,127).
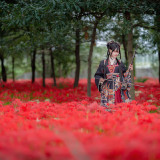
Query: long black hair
(112,45)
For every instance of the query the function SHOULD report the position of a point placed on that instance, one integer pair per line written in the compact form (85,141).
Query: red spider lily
(63,123)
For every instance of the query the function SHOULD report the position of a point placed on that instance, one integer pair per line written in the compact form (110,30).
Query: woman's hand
(131,67)
(101,80)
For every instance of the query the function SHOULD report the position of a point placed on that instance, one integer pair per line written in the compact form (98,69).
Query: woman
(110,75)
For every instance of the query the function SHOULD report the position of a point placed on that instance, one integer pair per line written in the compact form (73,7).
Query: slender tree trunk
(90,58)
(130,54)
(157,23)
(4,74)
(33,65)
(159,60)
(77,52)
(43,68)
(52,67)
(159,64)
(125,47)
(13,75)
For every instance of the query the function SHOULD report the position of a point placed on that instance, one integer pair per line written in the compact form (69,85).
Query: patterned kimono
(113,90)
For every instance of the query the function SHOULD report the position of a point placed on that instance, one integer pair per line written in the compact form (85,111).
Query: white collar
(112,60)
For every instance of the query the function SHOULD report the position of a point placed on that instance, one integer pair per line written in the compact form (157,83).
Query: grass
(141,80)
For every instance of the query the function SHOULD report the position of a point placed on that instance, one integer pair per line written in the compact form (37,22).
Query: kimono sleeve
(127,83)
(123,67)
(99,74)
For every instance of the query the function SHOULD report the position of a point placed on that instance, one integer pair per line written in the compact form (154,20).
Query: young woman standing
(110,75)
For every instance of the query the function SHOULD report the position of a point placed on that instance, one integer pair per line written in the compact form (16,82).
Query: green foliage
(141,80)
(26,25)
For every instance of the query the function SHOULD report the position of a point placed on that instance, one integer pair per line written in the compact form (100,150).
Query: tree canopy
(28,26)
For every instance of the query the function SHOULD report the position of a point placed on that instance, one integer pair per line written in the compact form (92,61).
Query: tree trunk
(13,75)
(33,65)
(52,67)
(90,58)
(157,23)
(43,69)
(77,52)
(130,53)
(4,74)
(125,48)
(159,60)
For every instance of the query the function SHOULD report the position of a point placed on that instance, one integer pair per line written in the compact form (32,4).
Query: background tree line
(58,29)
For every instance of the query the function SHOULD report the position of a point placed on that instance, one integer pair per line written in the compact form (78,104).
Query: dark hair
(113,46)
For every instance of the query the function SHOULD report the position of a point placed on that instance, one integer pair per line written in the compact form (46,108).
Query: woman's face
(114,54)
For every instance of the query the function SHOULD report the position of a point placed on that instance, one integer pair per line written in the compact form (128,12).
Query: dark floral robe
(113,91)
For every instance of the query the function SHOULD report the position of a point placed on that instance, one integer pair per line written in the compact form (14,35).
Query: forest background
(54,38)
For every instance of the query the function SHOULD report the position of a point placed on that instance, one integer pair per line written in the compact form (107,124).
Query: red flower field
(63,123)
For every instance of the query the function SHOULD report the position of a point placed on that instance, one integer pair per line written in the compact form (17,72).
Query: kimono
(115,88)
